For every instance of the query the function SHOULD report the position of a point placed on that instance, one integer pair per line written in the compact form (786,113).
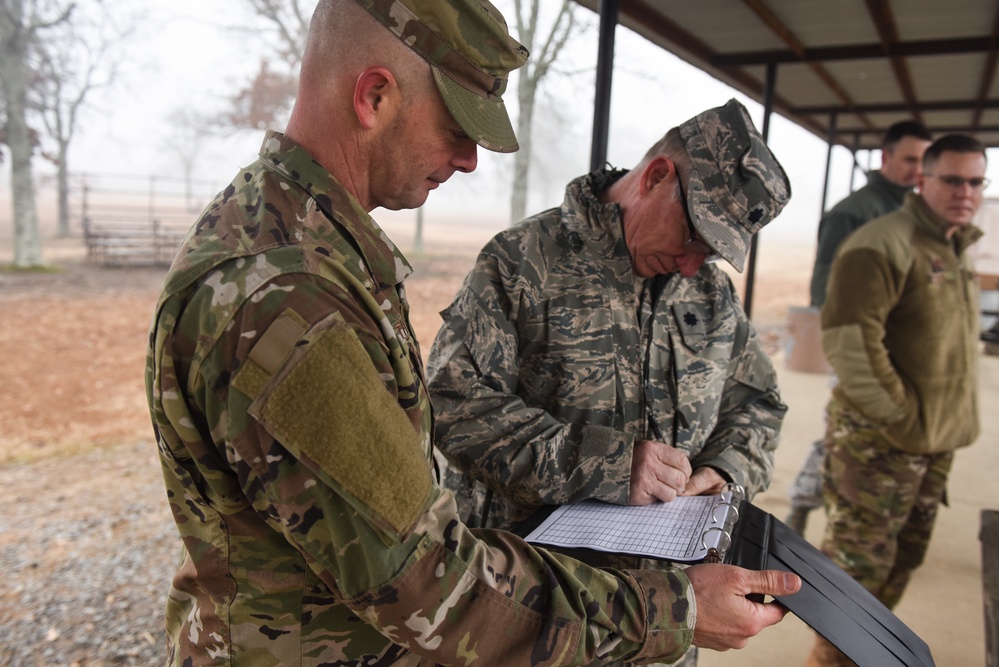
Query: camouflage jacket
(293,427)
(549,366)
(900,328)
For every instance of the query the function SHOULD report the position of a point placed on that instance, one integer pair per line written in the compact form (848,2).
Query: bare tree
(22,25)
(266,98)
(262,101)
(190,129)
(3,124)
(545,48)
(76,59)
(290,19)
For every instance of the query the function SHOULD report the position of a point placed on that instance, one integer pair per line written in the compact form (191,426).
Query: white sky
(186,58)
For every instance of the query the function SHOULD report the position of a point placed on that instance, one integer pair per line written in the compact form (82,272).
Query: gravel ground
(85,566)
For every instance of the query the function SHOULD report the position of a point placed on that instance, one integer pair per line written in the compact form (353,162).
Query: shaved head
(344,40)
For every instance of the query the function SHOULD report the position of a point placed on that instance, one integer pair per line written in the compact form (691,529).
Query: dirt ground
(73,345)
(73,342)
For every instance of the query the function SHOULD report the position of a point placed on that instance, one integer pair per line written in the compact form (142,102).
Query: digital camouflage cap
(471,53)
(736,185)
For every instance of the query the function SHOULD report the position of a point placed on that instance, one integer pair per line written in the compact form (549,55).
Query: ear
(372,91)
(656,172)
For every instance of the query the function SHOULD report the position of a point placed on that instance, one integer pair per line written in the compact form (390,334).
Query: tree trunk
(27,246)
(62,179)
(13,78)
(522,158)
(418,236)
(544,52)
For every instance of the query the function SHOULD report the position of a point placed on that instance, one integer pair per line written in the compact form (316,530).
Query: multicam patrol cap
(736,185)
(470,52)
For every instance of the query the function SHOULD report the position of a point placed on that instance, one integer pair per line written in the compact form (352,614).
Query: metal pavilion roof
(843,69)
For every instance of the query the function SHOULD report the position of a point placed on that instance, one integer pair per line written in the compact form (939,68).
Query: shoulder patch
(270,351)
(328,405)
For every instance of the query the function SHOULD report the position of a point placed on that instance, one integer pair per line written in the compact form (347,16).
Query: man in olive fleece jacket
(900,328)
(902,150)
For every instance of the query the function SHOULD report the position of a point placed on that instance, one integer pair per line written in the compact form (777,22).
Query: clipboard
(689,529)
(830,601)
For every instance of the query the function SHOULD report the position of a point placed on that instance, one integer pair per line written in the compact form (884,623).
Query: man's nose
(466,158)
(965,189)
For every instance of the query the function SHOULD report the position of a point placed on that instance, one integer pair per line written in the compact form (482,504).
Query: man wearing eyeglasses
(592,352)
(900,329)
(902,150)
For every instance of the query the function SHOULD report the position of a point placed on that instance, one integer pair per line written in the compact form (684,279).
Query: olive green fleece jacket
(879,197)
(900,328)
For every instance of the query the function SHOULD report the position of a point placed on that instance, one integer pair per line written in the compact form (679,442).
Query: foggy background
(188,56)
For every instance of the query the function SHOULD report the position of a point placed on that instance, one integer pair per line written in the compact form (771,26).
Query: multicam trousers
(880,502)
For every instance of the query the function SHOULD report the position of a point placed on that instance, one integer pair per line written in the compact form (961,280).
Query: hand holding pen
(660,472)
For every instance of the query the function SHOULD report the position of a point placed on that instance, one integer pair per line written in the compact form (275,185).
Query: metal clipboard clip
(717,538)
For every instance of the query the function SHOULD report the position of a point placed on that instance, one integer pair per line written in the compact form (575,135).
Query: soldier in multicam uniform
(593,353)
(901,160)
(293,424)
(900,328)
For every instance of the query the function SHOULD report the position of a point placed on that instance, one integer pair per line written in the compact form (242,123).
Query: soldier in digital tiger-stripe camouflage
(289,404)
(593,353)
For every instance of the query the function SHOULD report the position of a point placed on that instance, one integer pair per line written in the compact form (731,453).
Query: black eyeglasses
(695,244)
(955,182)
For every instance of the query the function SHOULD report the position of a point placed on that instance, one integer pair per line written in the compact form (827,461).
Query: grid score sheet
(671,531)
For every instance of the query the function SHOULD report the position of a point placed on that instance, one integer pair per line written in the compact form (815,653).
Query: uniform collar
(383,258)
(877,179)
(938,227)
(593,223)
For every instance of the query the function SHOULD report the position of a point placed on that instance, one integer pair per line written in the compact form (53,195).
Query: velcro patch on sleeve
(331,406)
(277,342)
